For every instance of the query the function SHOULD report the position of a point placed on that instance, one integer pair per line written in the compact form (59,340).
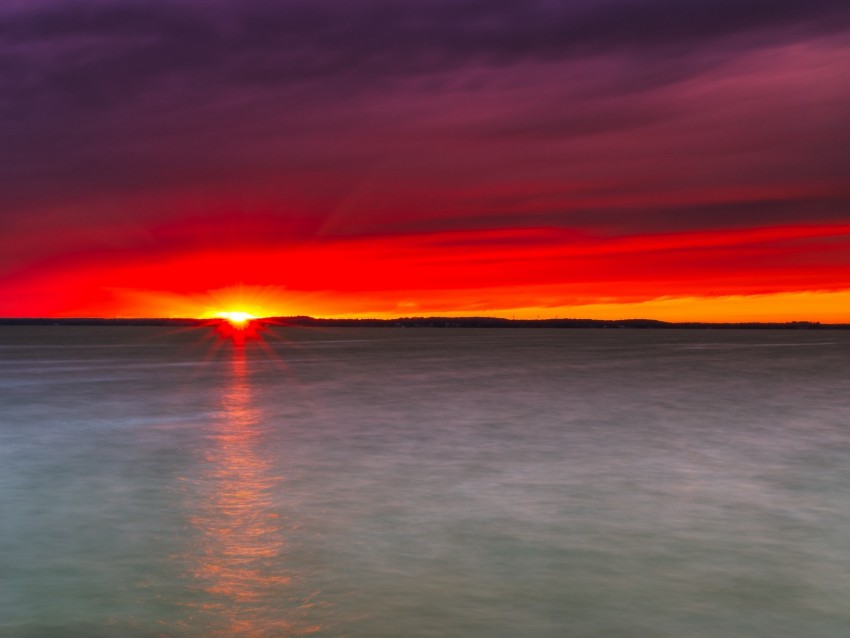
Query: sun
(236,318)
(237,325)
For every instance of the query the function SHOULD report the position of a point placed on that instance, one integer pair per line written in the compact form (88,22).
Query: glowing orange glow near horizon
(775,273)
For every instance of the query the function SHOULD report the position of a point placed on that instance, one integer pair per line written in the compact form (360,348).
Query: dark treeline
(431,322)
(97,321)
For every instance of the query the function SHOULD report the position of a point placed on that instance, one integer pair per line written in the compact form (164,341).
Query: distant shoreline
(432,322)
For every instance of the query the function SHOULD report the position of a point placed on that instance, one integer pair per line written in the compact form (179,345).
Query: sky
(685,160)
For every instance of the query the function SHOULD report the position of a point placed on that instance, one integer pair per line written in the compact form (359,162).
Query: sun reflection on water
(239,561)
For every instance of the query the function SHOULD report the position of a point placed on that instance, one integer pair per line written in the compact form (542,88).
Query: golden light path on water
(238,561)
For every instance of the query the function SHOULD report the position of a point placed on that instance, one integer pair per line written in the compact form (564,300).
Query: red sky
(606,158)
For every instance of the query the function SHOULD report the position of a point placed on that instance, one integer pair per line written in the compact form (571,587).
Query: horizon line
(424,318)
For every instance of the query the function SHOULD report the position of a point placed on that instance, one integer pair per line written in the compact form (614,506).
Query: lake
(407,483)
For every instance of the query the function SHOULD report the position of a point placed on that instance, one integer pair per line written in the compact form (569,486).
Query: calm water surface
(374,483)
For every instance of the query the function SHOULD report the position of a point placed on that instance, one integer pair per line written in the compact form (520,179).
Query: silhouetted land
(433,322)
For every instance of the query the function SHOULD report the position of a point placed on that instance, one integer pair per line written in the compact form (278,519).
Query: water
(375,483)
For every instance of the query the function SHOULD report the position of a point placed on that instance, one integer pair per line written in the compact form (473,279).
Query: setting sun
(236,318)
(237,325)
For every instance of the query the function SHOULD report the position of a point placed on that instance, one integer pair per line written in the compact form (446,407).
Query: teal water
(411,483)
